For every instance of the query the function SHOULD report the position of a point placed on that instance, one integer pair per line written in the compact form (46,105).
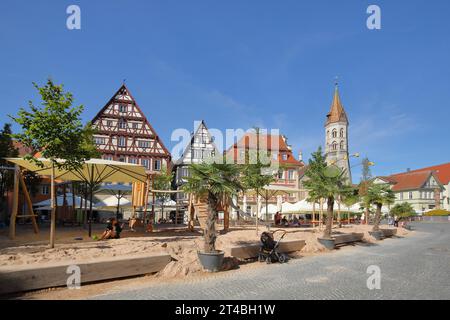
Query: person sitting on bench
(113,230)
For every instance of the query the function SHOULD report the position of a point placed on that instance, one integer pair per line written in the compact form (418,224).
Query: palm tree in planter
(212,182)
(379,194)
(326,182)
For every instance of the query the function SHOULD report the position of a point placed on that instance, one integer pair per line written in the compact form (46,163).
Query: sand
(181,244)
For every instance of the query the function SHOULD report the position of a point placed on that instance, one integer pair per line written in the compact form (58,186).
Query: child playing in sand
(113,230)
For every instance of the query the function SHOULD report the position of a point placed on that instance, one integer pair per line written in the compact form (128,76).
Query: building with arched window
(337,123)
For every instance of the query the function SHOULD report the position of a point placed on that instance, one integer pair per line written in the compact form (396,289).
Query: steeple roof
(337,112)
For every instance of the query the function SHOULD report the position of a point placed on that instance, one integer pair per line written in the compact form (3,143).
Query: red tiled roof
(23,150)
(410,180)
(442,171)
(266,141)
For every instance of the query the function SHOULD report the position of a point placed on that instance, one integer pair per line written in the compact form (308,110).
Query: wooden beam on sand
(251,250)
(15,278)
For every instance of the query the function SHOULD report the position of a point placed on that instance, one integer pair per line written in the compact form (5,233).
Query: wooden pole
(53,211)
(147,192)
(29,203)
(339,211)
(321,213)
(15,208)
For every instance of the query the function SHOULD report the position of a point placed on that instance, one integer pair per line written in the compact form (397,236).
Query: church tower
(336,135)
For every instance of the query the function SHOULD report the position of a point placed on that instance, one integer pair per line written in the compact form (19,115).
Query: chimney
(300,156)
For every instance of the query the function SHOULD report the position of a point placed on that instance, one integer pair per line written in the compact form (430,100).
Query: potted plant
(326,182)
(212,183)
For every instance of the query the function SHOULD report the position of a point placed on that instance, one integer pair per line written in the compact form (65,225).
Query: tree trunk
(376,225)
(53,211)
(210,230)
(329,225)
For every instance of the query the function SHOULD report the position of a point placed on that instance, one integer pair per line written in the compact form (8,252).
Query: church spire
(337,112)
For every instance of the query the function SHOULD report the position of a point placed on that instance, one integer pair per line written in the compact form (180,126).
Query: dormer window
(284,156)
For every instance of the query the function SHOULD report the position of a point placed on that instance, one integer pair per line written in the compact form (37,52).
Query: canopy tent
(60,201)
(271,209)
(112,201)
(268,192)
(118,191)
(92,172)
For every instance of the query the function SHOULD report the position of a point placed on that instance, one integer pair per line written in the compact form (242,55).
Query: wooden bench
(39,276)
(341,239)
(251,250)
(387,233)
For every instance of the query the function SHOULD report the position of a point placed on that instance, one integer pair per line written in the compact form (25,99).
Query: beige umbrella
(92,172)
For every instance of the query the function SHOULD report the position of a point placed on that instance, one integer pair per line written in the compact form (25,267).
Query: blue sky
(237,64)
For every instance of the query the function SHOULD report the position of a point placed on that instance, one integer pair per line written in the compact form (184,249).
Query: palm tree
(403,210)
(216,183)
(326,184)
(379,194)
(349,201)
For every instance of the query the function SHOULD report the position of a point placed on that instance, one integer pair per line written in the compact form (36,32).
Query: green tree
(349,200)
(366,173)
(163,181)
(7,149)
(56,131)
(323,183)
(403,210)
(215,182)
(379,194)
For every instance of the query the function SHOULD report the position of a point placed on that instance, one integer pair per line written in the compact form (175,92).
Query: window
(122,159)
(421,195)
(334,146)
(145,163)
(275,155)
(123,108)
(144,144)
(121,142)
(197,154)
(99,140)
(341,133)
(157,165)
(291,174)
(135,125)
(109,158)
(109,123)
(132,160)
(334,133)
(341,145)
(45,189)
(281,174)
(410,195)
(401,195)
(122,124)
(284,156)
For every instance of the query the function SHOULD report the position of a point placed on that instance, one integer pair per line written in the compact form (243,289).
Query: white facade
(200,148)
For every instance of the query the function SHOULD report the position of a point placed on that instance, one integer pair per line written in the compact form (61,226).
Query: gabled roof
(123,90)
(410,180)
(442,171)
(186,150)
(337,112)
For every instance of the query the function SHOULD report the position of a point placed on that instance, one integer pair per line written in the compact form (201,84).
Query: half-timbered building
(123,133)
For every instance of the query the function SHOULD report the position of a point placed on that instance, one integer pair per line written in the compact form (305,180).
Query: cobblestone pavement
(416,267)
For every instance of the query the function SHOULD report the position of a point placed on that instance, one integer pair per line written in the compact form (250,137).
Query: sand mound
(182,246)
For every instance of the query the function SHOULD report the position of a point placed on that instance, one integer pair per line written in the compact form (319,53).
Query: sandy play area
(180,243)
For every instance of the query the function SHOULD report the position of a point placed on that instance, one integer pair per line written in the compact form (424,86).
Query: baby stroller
(268,251)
